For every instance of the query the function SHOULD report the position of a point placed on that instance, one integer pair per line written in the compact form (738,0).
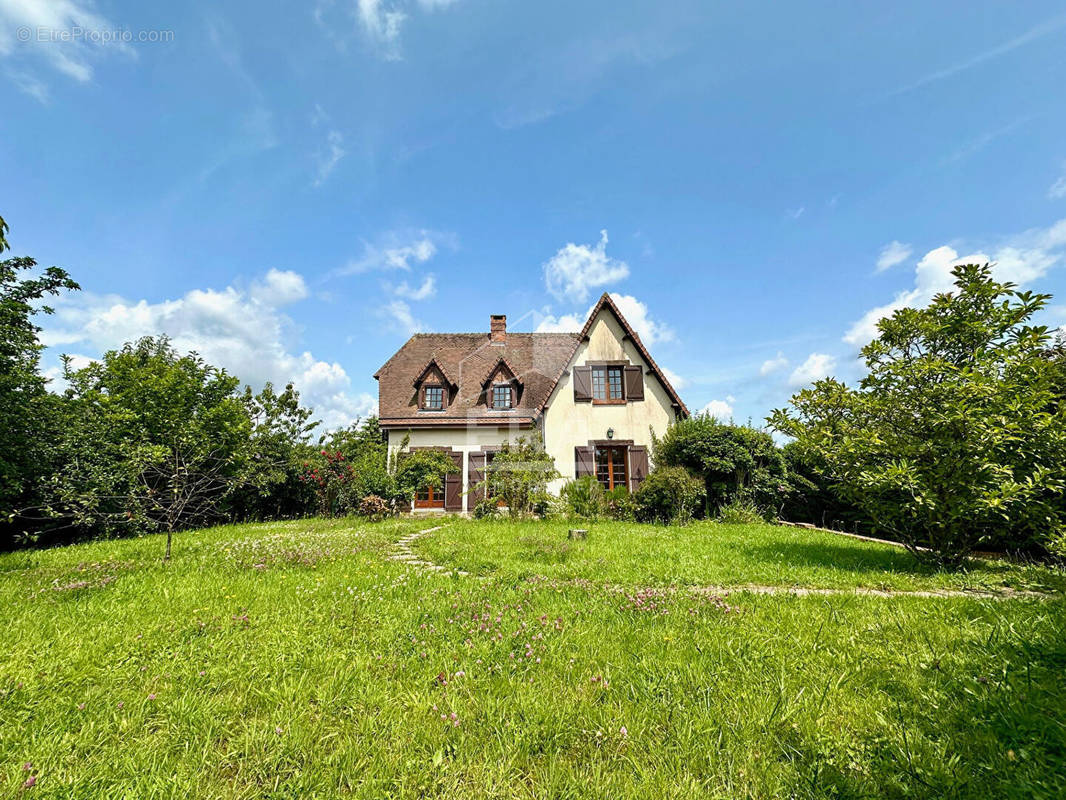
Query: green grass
(711,554)
(294,660)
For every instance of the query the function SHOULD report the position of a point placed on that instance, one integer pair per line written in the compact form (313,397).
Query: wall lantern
(610,433)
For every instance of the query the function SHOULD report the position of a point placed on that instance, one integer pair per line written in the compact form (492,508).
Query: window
(501,397)
(429,497)
(607,384)
(611,467)
(433,398)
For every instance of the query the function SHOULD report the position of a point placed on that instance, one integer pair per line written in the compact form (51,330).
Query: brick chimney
(498,328)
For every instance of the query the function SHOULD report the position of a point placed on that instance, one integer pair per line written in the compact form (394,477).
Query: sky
(292,189)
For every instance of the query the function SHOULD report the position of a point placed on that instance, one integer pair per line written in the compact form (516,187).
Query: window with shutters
(607,385)
(612,467)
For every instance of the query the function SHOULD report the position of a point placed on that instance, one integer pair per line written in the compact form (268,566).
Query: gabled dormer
(501,390)
(434,389)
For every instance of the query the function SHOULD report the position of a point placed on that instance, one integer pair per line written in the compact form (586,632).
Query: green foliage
(813,495)
(519,474)
(956,438)
(486,508)
(272,485)
(669,495)
(583,498)
(734,461)
(420,468)
(153,440)
(30,418)
(620,504)
(740,511)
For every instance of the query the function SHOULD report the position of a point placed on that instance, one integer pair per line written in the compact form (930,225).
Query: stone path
(402,552)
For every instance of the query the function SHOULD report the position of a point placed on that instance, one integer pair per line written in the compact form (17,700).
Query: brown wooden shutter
(582,384)
(634,383)
(638,466)
(475,474)
(584,461)
(453,486)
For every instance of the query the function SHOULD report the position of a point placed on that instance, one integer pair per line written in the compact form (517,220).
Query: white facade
(568,423)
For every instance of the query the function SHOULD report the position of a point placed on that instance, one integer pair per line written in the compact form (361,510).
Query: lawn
(293,660)
(707,553)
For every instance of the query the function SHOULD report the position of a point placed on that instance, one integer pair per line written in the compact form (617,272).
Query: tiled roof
(537,360)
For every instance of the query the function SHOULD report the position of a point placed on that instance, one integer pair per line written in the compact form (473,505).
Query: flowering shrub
(619,504)
(329,475)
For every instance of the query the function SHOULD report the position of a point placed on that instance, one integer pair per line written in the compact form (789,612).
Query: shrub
(619,504)
(583,498)
(669,495)
(741,512)
(732,460)
(486,508)
(519,474)
(374,508)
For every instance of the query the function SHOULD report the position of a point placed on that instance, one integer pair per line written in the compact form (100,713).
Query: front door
(612,466)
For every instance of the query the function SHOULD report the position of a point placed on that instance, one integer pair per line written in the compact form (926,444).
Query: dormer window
(433,398)
(502,397)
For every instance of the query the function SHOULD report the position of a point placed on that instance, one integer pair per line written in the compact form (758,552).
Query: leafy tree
(954,439)
(519,474)
(734,461)
(271,485)
(155,440)
(29,415)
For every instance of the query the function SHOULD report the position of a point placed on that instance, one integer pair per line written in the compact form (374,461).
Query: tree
(417,469)
(519,474)
(155,440)
(271,486)
(29,415)
(734,461)
(954,439)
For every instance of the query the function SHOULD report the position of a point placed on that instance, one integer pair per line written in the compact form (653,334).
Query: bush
(519,475)
(619,504)
(486,508)
(669,495)
(732,460)
(741,512)
(583,498)
(374,508)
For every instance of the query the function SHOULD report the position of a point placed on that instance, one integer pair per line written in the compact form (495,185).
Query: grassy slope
(708,553)
(293,660)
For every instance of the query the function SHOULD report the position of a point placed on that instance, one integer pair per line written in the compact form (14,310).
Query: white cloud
(51,25)
(399,253)
(1057,190)
(795,213)
(677,381)
(771,365)
(567,323)
(380,21)
(891,254)
(719,409)
(279,288)
(816,367)
(382,24)
(240,330)
(27,83)
(1019,259)
(399,317)
(636,314)
(577,268)
(423,292)
(330,157)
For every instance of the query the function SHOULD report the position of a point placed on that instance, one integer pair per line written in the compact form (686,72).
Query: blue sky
(292,189)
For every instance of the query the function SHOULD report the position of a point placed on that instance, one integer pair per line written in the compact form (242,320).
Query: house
(595,397)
